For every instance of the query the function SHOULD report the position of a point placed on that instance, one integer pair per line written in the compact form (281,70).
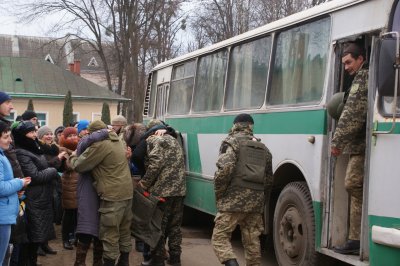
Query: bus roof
(310,13)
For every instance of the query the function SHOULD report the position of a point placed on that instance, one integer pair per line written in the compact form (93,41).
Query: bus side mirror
(386,67)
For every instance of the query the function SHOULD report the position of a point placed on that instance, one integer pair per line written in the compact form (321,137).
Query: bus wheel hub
(291,232)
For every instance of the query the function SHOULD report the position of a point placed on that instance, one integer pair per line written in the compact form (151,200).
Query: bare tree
(123,33)
(217,20)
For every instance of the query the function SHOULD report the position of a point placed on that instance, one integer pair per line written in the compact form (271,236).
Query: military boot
(123,259)
(97,253)
(174,260)
(231,262)
(154,261)
(81,252)
(350,247)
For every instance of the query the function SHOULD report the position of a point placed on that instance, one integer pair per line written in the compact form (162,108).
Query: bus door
(337,209)
(384,167)
(162,99)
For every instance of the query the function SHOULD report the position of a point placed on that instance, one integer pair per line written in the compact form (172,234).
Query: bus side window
(210,79)
(180,95)
(248,73)
(299,69)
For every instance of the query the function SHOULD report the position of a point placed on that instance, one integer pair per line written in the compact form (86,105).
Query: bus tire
(294,226)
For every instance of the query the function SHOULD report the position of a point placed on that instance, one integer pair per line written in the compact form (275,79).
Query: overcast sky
(10,25)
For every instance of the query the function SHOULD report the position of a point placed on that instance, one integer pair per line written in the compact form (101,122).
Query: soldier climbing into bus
(243,182)
(349,138)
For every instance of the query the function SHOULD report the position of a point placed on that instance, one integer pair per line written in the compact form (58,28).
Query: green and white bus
(283,74)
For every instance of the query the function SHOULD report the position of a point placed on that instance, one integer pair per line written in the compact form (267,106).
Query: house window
(49,59)
(75,117)
(93,62)
(42,119)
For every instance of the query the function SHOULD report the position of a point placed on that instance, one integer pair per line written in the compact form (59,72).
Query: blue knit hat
(4,97)
(82,124)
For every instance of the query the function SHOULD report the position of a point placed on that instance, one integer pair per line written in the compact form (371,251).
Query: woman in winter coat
(39,195)
(69,141)
(54,158)
(8,191)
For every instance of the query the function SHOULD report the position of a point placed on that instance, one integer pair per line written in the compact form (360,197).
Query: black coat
(39,194)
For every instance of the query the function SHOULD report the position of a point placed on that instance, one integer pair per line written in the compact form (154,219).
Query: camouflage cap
(154,122)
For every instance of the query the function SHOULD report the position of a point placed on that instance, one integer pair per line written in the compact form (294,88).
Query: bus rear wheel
(294,227)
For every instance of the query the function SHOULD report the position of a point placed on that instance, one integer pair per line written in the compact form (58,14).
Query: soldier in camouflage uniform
(349,138)
(242,181)
(165,177)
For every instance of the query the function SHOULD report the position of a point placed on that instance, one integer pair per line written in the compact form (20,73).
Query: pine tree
(30,106)
(68,115)
(105,114)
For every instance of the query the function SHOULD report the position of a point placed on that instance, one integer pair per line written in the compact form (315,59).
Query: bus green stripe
(194,154)
(387,126)
(318,223)
(381,254)
(295,122)
(200,194)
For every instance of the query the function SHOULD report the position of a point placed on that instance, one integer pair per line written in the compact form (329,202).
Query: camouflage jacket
(349,135)
(232,198)
(165,167)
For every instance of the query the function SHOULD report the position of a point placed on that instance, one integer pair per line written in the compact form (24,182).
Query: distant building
(62,52)
(47,84)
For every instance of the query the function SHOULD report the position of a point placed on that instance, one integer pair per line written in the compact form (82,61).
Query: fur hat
(69,131)
(134,133)
(4,97)
(119,120)
(43,131)
(60,129)
(96,125)
(28,115)
(82,124)
(243,118)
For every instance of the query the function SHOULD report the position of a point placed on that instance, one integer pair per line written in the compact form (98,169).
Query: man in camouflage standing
(349,138)
(165,177)
(242,182)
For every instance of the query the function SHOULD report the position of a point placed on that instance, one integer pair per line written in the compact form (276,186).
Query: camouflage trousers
(251,227)
(171,228)
(114,231)
(354,185)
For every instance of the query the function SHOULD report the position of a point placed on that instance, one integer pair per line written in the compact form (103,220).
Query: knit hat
(28,115)
(4,97)
(43,131)
(25,127)
(96,125)
(82,124)
(119,120)
(69,131)
(243,118)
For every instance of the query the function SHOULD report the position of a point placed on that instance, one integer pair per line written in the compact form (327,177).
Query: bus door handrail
(396,84)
